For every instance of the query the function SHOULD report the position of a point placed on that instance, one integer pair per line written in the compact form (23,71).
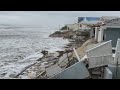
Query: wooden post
(76,54)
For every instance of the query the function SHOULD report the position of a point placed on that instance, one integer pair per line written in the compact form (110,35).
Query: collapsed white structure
(100,55)
(117,53)
(115,65)
(76,71)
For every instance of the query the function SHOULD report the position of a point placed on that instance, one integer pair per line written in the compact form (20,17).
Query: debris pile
(98,68)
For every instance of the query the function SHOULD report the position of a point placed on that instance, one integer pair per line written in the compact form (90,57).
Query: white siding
(100,55)
(117,53)
(73,26)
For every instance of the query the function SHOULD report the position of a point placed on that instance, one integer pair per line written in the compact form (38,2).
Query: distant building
(88,19)
(73,27)
(86,22)
(78,26)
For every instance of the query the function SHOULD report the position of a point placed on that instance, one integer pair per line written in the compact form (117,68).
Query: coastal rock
(64,60)
(70,34)
(56,34)
(64,28)
(32,75)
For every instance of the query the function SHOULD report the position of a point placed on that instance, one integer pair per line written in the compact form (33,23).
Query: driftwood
(25,69)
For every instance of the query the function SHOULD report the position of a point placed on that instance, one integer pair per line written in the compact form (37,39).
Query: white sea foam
(23,46)
(23,35)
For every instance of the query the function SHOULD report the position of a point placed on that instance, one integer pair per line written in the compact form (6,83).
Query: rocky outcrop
(57,34)
(64,28)
(71,34)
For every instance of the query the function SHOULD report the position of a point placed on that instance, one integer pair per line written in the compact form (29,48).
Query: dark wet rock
(60,53)
(71,34)
(56,34)
(64,28)
(3,74)
(44,52)
(72,61)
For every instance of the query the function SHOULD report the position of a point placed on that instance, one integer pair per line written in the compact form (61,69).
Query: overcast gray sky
(70,13)
(48,17)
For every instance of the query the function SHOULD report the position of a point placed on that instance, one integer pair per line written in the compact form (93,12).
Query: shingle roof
(113,22)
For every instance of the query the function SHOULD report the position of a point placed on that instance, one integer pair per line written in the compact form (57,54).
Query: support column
(96,33)
(100,35)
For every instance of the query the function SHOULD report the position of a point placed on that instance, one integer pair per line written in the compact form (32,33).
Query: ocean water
(21,43)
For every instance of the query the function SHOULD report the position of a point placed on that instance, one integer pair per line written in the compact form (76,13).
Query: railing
(98,61)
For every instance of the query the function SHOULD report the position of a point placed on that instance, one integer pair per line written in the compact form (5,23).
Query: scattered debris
(25,69)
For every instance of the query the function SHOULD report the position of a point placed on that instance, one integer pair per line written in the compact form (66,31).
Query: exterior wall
(115,71)
(73,26)
(100,55)
(117,53)
(77,26)
(112,34)
(85,26)
(98,61)
(102,49)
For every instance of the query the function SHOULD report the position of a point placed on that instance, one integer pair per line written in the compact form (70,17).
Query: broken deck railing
(76,71)
(100,55)
(99,61)
(117,53)
(76,54)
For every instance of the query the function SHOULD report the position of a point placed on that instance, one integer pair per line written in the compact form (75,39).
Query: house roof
(108,17)
(90,22)
(113,22)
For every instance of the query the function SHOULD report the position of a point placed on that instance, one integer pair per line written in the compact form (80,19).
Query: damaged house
(98,61)
(109,31)
(107,18)
(86,22)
